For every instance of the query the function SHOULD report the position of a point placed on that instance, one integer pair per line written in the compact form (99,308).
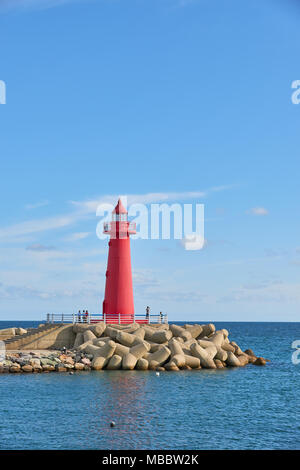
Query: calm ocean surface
(246,408)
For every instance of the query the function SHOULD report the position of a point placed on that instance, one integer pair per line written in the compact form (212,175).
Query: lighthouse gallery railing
(111,318)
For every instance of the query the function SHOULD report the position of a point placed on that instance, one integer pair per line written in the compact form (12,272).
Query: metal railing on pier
(108,318)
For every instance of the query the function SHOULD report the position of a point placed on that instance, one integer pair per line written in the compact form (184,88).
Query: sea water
(235,408)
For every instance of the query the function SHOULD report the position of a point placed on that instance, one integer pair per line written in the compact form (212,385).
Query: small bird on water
(157,373)
(112,424)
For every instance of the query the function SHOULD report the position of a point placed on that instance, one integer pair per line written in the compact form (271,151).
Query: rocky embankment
(10,332)
(146,347)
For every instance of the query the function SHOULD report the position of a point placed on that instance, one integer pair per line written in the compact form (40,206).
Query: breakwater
(141,347)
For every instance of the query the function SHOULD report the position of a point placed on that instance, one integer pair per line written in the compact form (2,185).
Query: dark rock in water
(86,361)
(219,364)
(171,366)
(7,363)
(48,362)
(48,368)
(244,359)
(249,352)
(252,359)
(185,367)
(60,368)
(260,361)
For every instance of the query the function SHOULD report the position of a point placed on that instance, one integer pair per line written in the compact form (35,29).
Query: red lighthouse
(118,305)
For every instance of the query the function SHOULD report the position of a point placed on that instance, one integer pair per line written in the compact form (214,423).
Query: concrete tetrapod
(221,354)
(181,332)
(102,356)
(195,330)
(175,347)
(157,336)
(203,354)
(121,350)
(232,360)
(159,357)
(139,333)
(98,329)
(237,349)
(177,354)
(78,340)
(142,364)
(126,339)
(83,346)
(244,359)
(88,336)
(80,328)
(136,352)
(217,338)
(111,332)
(207,330)
(227,346)
(114,363)
(192,361)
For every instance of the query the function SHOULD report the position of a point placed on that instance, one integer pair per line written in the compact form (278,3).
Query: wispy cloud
(40,4)
(36,205)
(267,291)
(40,248)
(83,209)
(37,225)
(260,211)
(148,198)
(77,236)
(22,292)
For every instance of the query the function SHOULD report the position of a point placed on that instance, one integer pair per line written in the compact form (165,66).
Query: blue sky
(154,99)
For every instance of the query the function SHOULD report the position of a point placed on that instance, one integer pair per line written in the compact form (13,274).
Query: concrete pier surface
(160,347)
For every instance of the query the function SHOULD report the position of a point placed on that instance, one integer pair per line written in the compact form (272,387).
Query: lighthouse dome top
(119,209)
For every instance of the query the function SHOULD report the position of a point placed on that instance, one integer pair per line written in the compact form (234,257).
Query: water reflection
(121,397)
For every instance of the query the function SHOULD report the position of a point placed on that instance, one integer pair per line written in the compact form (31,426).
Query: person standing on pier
(147,314)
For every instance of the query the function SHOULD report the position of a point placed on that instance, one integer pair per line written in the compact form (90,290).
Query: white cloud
(260,211)
(37,225)
(148,198)
(36,205)
(264,292)
(77,236)
(86,208)
(90,206)
(40,248)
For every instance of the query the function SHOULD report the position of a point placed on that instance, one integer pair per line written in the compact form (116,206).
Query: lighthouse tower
(118,300)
